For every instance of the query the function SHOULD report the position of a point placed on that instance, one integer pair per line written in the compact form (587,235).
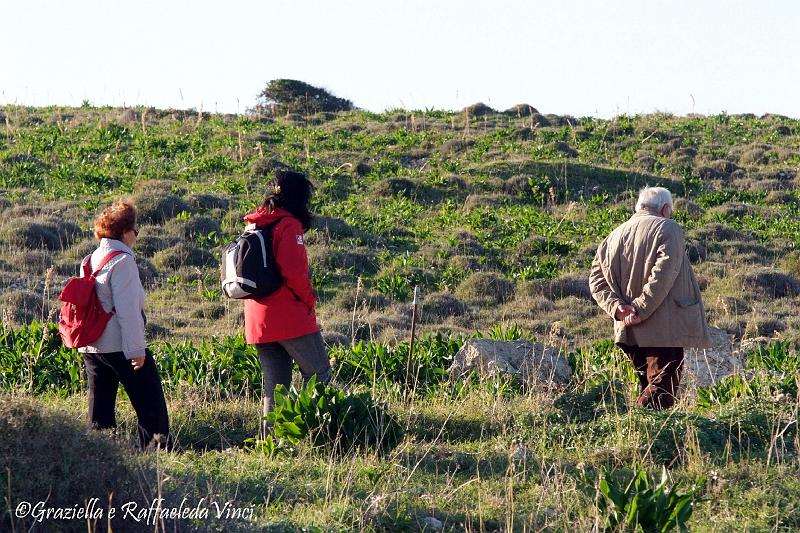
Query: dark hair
(114,221)
(291,190)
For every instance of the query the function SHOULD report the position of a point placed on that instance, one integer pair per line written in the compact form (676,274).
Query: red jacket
(289,312)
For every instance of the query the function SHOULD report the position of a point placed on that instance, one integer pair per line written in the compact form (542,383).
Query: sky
(583,58)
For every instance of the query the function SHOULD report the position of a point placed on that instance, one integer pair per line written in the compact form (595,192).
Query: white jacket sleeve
(128,297)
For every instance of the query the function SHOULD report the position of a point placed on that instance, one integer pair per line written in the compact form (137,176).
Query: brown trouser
(659,371)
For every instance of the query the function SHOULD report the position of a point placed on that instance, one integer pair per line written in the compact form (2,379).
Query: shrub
(540,120)
(716,232)
(207,202)
(455,146)
(723,165)
(265,166)
(293,96)
(50,233)
(475,201)
(753,156)
(791,263)
(485,288)
(389,187)
(735,210)
(156,207)
(21,306)
(79,250)
(523,134)
(688,207)
(438,306)
(466,243)
(192,227)
(568,285)
(464,263)
(519,185)
(30,261)
(779,198)
(183,254)
(478,109)
(783,131)
(696,251)
(332,419)
(151,239)
(708,173)
(362,168)
(773,283)
(765,327)
(521,110)
(645,162)
(669,146)
(147,272)
(565,149)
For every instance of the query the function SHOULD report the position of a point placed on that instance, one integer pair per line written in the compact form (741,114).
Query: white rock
(531,362)
(706,367)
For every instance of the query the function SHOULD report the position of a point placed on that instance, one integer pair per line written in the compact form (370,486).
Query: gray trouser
(276,364)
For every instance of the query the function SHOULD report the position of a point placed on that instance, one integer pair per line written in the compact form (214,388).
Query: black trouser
(659,371)
(105,371)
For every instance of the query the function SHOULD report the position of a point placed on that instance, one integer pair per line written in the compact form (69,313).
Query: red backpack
(83,318)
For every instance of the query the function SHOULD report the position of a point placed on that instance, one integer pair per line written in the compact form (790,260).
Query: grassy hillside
(496,217)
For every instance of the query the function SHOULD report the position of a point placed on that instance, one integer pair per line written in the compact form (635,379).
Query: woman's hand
(137,362)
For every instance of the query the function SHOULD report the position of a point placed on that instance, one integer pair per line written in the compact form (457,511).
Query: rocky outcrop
(532,363)
(706,367)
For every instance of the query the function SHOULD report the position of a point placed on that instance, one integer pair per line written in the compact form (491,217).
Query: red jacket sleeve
(289,248)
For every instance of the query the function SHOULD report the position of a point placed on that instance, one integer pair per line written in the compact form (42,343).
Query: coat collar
(645,211)
(113,245)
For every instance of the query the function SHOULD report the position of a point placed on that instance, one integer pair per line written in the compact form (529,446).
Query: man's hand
(627,314)
(623,311)
(633,319)
(137,362)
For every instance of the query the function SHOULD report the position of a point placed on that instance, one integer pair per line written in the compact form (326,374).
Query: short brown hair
(115,220)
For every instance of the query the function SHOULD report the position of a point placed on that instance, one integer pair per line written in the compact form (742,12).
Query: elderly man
(641,277)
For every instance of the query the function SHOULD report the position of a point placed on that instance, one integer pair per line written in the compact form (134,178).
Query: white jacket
(119,288)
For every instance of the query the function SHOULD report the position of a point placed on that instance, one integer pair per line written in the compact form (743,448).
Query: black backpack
(248,268)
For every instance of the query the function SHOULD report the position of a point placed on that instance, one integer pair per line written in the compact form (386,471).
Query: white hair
(653,198)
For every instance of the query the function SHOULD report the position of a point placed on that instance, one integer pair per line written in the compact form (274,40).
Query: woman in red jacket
(283,326)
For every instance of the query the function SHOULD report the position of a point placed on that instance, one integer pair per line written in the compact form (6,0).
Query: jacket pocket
(688,320)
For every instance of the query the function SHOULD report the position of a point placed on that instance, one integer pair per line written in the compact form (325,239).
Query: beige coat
(643,263)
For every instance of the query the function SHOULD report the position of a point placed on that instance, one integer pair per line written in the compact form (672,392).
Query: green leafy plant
(331,418)
(374,364)
(601,363)
(506,332)
(395,287)
(642,504)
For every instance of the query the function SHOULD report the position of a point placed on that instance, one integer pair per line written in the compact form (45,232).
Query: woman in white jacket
(120,355)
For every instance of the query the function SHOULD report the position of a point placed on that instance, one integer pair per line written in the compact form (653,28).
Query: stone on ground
(532,363)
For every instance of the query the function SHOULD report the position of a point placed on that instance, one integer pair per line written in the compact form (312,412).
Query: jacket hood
(262,217)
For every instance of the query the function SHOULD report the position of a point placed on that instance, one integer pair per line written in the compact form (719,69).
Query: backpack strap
(104,262)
